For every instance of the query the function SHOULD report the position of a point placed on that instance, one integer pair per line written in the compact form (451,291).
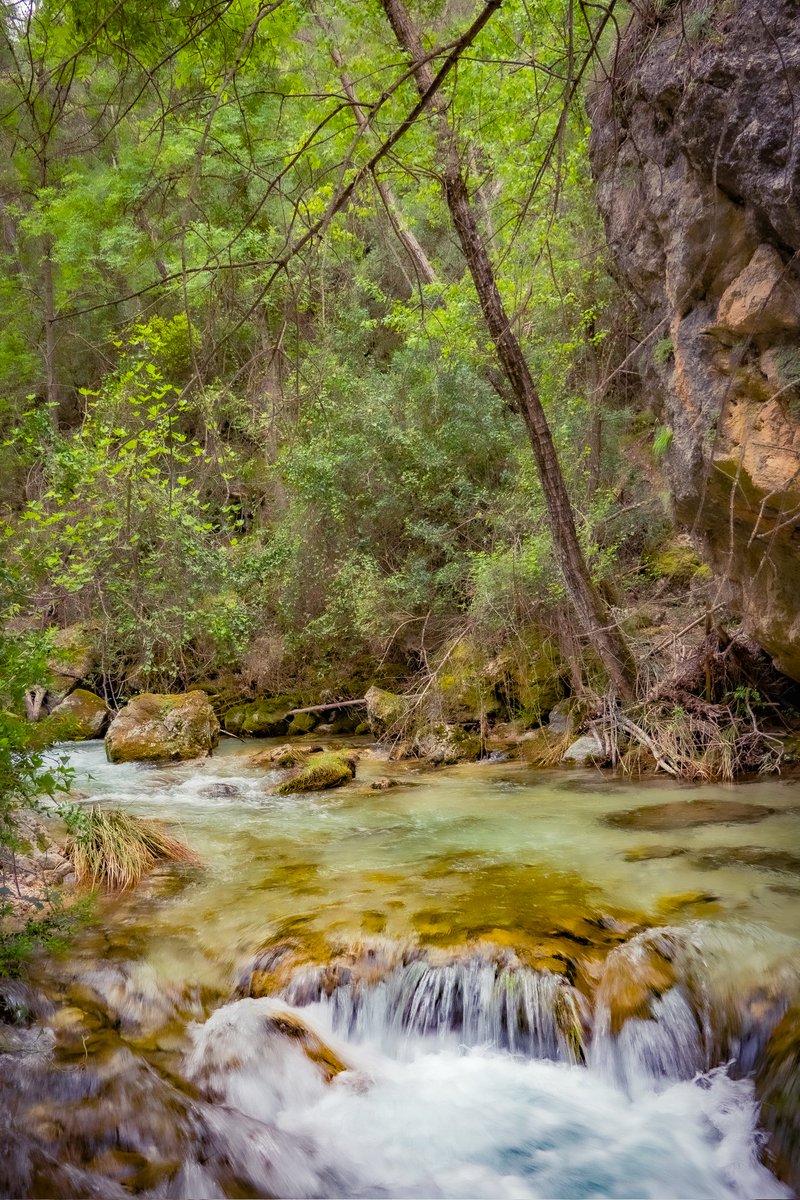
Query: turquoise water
(430,936)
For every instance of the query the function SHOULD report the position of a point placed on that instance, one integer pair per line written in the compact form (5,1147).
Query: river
(487,981)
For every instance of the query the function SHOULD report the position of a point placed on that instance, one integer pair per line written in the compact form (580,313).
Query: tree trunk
(592,612)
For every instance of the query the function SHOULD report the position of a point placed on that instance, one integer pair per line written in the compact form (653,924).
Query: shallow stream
(487,981)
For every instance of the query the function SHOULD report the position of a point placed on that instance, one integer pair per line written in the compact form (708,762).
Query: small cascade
(472,1001)
(666,1008)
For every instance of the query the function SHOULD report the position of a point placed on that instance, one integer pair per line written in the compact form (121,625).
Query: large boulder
(81,716)
(152,728)
(697,163)
(443,745)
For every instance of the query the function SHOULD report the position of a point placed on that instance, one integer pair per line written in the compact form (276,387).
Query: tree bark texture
(592,612)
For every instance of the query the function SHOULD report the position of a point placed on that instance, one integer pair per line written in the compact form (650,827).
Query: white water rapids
(457,1070)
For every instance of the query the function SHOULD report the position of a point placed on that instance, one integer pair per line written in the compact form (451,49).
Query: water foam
(473,1122)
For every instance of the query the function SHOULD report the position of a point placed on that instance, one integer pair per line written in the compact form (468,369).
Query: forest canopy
(253,420)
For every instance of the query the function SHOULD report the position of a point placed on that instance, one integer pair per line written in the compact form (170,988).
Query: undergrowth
(50,932)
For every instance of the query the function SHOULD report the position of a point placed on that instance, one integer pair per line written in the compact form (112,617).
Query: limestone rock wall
(696,155)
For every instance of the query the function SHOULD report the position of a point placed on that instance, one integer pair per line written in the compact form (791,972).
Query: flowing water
(487,981)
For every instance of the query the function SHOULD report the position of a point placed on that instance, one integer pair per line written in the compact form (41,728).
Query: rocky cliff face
(696,153)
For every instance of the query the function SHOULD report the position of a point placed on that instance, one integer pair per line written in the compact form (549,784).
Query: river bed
(486,981)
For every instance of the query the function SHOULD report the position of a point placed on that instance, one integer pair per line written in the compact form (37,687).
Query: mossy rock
(630,991)
(82,716)
(778,1089)
(153,728)
(791,750)
(282,756)
(302,723)
(467,685)
(443,745)
(677,561)
(529,675)
(323,771)
(385,710)
(267,717)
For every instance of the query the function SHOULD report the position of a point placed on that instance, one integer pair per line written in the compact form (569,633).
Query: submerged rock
(646,853)
(684,814)
(327,770)
(747,856)
(153,727)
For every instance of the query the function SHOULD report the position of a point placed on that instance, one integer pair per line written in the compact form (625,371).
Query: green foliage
(210,452)
(26,773)
(663,351)
(662,440)
(699,24)
(50,931)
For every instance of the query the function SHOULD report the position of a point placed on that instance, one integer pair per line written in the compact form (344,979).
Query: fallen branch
(326,707)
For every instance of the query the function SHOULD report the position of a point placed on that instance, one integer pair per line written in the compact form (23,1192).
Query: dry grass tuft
(116,849)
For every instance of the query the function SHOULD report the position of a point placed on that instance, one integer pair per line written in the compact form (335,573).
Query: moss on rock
(443,745)
(302,723)
(778,1088)
(81,716)
(678,561)
(73,656)
(266,717)
(324,771)
(153,727)
(385,710)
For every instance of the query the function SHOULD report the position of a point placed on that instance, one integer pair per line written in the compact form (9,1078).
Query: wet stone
(748,856)
(646,853)
(684,814)
(219,791)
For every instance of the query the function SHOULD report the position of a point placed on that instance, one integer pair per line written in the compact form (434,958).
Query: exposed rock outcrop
(152,728)
(696,152)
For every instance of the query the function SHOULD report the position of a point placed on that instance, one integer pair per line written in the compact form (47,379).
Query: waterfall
(472,1002)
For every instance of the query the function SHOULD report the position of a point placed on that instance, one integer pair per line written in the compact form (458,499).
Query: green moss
(467,684)
(385,710)
(678,561)
(80,717)
(302,723)
(323,771)
(778,1089)
(663,351)
(267,717)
